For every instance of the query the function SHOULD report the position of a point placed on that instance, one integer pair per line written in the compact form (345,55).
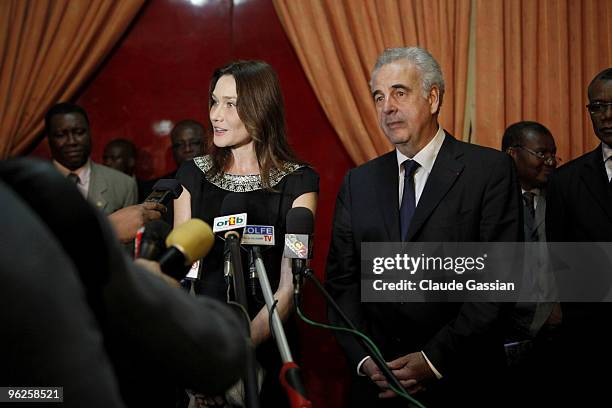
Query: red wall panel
(158,74)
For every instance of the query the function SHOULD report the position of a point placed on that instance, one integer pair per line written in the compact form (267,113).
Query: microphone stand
(290,375)
(382,365)
(233,269)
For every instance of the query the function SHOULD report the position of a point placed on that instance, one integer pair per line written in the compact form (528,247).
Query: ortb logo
(229,222)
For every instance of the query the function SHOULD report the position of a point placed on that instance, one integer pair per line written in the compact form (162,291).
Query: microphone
(256,236)
(231,224)
(186,244)
(232,218)
(298,242)
(165,190)
(151,243)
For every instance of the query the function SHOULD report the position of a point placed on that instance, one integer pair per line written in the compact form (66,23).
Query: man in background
(120,154)
(579,209)
(114,193)
(187,141)
(534,324)
(68,133)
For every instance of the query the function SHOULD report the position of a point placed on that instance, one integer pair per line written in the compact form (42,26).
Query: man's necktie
(529,201)
(73,177)
(408,197)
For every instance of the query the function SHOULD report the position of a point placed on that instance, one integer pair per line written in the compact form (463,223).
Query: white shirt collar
(606,151)
(535,191)
(83,172)
(426,157)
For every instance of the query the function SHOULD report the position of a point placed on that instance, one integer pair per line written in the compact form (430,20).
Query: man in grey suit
(114,193)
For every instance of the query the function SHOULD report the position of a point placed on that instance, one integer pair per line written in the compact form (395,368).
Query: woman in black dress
(249,154)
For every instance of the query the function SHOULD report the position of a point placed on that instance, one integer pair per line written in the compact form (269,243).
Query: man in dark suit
(532,333)
(579,198)
(533,149)
(431,188)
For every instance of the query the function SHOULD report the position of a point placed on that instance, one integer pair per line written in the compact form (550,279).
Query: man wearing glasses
(579,209)
(187,138)
(533,149)
(534,325)
(187,141)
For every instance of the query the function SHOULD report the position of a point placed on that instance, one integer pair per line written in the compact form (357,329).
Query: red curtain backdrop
(338,43)
(47,50)
(534,61)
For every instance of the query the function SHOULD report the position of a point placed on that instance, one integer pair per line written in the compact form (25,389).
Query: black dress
(265,207)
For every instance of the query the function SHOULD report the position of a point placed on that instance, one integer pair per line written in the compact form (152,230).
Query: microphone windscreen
(234,203)
(300,221)
(193,238)
(172,185)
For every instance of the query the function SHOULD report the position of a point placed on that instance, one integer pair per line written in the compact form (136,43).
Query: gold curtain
(338,42)
(48,48)
(534,61)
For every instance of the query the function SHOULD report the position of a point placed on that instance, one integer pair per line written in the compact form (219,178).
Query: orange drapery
(338,42)
(48,48)
(534,61)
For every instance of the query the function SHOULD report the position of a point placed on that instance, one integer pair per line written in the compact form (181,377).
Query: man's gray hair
(431,74)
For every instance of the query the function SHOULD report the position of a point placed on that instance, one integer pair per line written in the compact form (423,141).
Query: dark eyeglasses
(548,160)
(597,108)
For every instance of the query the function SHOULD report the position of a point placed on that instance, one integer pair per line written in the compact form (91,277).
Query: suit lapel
(445,171)
(387,187)
(596,180)
(97,188)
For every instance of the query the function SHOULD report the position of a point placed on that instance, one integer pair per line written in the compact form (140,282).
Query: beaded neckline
(239,183)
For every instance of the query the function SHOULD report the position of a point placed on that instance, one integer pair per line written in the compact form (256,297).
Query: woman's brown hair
(261,108)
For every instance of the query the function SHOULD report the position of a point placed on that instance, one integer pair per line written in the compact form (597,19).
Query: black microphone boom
(233,207)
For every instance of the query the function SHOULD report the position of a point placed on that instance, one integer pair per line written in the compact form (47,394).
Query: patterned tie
(73,177)
(408,197)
